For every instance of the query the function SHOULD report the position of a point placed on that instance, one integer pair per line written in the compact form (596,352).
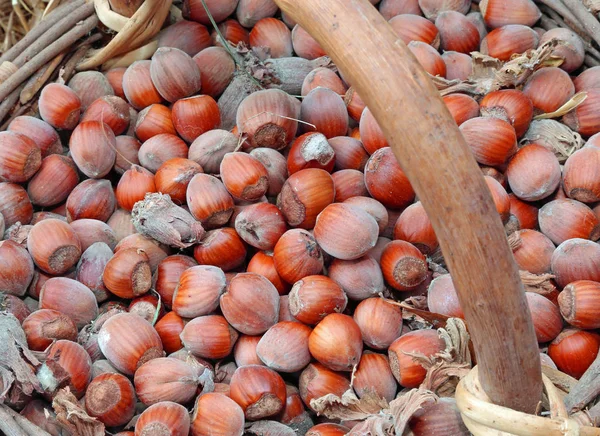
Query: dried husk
(73,417)
(157,217)
(555,136)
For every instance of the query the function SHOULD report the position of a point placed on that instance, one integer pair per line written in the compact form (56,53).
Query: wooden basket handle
(445,176)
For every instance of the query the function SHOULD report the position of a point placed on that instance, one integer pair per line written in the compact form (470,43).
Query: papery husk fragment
(555,136)
(73,417)
(157,217)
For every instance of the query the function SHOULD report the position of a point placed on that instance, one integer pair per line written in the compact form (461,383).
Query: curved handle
(445,176)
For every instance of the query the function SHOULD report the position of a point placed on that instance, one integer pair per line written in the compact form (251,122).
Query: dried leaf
(540,284)
(405,406)
(73,417)
(268,428)
(349,407)
(446,368)
(554,136)
(573,102)
(16,360)
(157,217)
(380,425)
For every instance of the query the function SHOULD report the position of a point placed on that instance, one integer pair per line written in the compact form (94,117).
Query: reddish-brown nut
(244,352)
(348,184)
(576,259)
(54,181)
(111,110)
(15,204)
(20,157)
(90,86)
(353,239)
(16,268)
(549,88)
(371,134)
(510,105)
(169,327)
(379,321)
(533,251)
(386,182)
(194,116)
(276,166)
(268,118)
(458,65)
(336,342)
(39,131)
(216,70)
(166,379)
(258,390)
(304,195)
(404,267)
(438,417)
(457,33)
(209,337)
(503,42)
(128,341)
(93,199)
(498,13)
(44,326)
(167,276)
(91,266)
(574,350)
(442,297)
(260,225)
(115,79)
(391,8)
(70,297)
(374,375)
(274,35)
(198,291)
(154,120)
(414,226)
(221,247)
(317,381)
(233,32)
(406,370)
(305,45)
(566,219)
(584,118)
(127,148)
(323,77)
(428,57)
(127,274)
(133,186)
(216,414)
(66,364)
(160,148)
(250,304)
(284,347)
(462,107)
(579,304)
(59,106)
(151,247)
(166,418)
(174,74)
(262,263)
(244,176)
(547,321)
(138,86)
(54,246)
(297,255)
(314,297)
(360,278)
(325,112)
(187,36)
(587,80)
(209,201)
(92,147)
(533,173)
(492,140)
(410,27)
(373,208)
(580,180)
(311,150)
(111,399)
